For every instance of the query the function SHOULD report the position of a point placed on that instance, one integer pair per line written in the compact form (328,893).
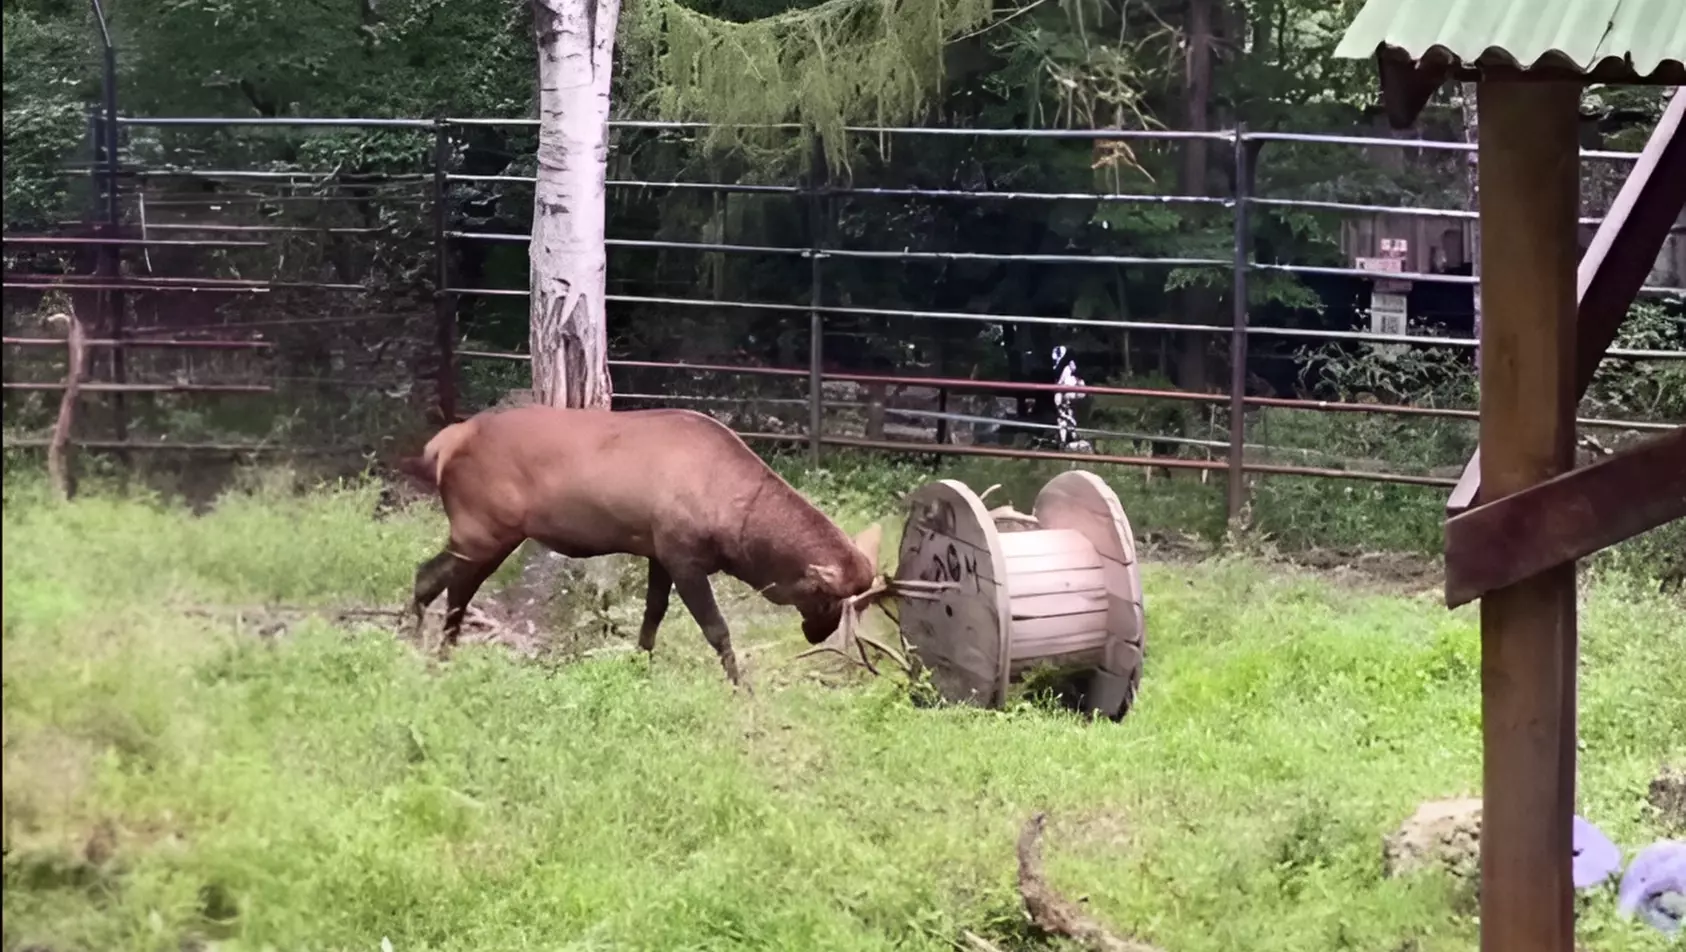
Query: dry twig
(1053,913)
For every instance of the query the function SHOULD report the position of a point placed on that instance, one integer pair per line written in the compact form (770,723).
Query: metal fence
(107,268)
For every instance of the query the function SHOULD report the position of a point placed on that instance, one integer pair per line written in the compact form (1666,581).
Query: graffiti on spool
(951,566)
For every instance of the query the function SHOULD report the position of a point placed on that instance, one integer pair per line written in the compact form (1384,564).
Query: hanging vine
(841,61)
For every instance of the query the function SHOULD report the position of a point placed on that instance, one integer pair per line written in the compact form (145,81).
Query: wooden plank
(1566,518)
(1530,197)
(1616,263)
(1066,543)
(1067,603)
(1023,584)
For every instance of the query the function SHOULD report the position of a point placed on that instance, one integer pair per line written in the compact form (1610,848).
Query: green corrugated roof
(1525,33)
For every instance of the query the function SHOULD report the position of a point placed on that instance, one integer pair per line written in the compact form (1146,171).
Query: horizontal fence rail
(118,177)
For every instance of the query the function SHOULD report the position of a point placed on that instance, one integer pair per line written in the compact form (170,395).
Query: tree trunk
(576,48)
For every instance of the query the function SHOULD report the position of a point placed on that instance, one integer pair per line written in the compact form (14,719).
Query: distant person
(1065,375)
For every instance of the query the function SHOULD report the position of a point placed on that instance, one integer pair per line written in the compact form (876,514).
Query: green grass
(172,778)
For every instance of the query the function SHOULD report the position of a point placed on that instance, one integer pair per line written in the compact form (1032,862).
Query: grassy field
(179,776)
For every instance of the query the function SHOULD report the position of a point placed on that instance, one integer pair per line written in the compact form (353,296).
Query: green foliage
(823,66)
(176,778)
(48,74)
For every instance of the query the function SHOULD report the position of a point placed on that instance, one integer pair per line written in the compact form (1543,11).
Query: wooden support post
(1530,198)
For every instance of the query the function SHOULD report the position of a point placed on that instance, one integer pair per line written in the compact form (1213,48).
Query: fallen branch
(1053,913)
(59,448)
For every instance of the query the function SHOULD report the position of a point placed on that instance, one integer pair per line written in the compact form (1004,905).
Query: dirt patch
(1442,833)
(562,607)
(1390,572)
(1667,796)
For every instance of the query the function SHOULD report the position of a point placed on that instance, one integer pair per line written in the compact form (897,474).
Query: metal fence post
(111,254)
(817,181)
(444,303)
(1238,338)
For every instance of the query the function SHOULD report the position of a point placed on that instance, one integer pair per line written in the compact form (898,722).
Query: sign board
(1388,316)
(1383,265)
(1387,313)
(1395,247)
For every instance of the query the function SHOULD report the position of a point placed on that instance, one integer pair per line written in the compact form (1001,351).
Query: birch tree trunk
(576,48)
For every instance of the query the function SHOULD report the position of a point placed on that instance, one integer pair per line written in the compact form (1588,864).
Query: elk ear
(868,541)
(825,576)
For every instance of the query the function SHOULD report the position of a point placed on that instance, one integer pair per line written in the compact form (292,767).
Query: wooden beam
(1530,202)
(1567,518)
(1616,263)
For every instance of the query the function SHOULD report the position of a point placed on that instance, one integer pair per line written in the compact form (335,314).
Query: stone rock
(1442,833)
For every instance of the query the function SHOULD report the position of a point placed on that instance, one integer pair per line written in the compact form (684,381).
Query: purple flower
(1595,858)
(1655,886)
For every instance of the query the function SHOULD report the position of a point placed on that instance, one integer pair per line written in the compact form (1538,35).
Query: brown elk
(675,487)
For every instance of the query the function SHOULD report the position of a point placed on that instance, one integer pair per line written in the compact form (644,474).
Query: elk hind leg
(432,577)
(463,586)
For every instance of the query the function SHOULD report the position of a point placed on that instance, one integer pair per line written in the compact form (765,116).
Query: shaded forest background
(361,359)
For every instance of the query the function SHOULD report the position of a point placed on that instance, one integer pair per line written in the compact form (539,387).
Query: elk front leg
(698,596)
(655,605)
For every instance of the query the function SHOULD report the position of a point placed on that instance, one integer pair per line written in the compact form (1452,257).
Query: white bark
(576,47)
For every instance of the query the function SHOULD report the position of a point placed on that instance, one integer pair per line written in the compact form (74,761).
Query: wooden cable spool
(1058,586)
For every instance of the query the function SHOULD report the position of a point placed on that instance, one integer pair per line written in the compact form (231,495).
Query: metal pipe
(302,122)
(444,303)
(1402,210)
(1150,462)
(817,179)
(132,344)
(869,255)
(1312,333)
(1440,144)
(266,229)
(76,242)
(941,383)
(1236,489)
(1084,135)
(110,256)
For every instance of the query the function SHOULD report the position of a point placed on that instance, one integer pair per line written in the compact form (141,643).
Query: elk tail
(429,468)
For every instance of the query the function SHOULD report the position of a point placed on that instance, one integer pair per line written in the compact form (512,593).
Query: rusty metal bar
(122,388)
(279,322)
(168,447)
(172,284)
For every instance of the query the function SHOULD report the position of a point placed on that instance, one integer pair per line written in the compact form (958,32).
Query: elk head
(850,600)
